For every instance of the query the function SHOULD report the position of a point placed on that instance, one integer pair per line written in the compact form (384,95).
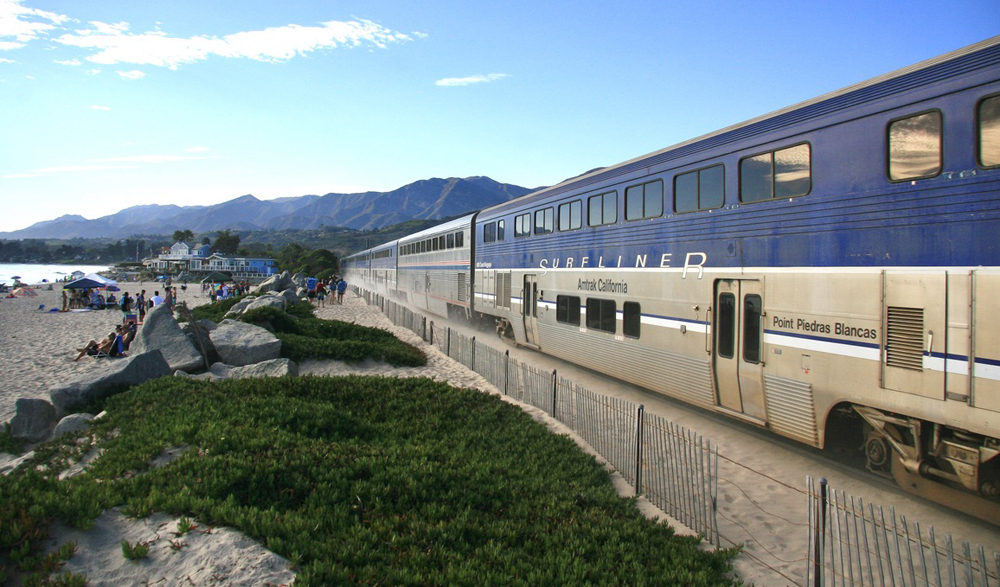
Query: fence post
(638,449)
(447,344)
(432,331)
(473,365)
(555,386)
(424,334)
(818,534)
(506,369)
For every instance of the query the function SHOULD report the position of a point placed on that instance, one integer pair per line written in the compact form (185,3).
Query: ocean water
(32,274)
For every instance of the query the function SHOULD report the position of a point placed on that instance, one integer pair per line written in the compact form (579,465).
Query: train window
(460,239)
(500,231)
(631,319)
(644,201)
(601,314)
(785,173)
(752,312)
(725,322)
(544,220)
(915,147)
(489,232)
(989,131)
(700,190)
(570,215)
(602,209)
(522,225)
(442,243)
(451,241)
(568,310)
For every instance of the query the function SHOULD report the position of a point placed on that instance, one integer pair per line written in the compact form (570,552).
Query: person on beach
(65,306)
(321,294)
(341,288)
(126,306)
(140,304)
(93,347)
(156,300)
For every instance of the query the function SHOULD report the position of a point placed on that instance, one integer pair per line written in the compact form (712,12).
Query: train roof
(450,226)
(978,55)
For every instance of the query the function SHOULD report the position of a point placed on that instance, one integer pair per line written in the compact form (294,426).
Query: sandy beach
(761,500)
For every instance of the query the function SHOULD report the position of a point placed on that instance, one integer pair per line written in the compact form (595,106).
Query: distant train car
(829,272)
(433,268)
(382,268)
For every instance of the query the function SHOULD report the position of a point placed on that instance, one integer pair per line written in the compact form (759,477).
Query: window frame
(568,310)
(599,320)
(979,133)
(697,184)
(888,146)
(522,219)
(603,195)
(548,218)
(772,152)
(569,208)
(632,318)
(644,185)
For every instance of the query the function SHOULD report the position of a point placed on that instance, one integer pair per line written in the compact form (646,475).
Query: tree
(183,236)
(226,243)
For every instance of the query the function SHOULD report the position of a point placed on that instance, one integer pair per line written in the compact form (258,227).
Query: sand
(761,488)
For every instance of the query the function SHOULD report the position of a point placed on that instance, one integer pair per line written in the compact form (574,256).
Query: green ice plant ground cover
(357,480)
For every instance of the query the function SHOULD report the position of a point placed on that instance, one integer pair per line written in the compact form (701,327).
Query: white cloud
(19,25)
(73,168)
(94,71)
(72,62)
(2,60)
(473,79)
(113,43)
(148,159)
(95,107)
(134,74)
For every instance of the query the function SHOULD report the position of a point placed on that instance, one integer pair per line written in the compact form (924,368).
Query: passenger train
(829,272)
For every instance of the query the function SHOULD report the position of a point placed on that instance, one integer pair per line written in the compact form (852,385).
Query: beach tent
(83,283)
(216,277)
(25,292)
(101,279)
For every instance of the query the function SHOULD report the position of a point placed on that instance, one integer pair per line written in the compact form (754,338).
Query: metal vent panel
(790,408)
(904,338)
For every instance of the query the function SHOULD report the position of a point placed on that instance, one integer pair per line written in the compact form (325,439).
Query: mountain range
(428,199)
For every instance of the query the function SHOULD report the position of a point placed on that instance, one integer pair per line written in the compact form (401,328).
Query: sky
(116,103)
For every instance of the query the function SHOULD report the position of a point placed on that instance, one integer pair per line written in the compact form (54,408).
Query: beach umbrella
(16,277)
(216,277)
(83,283)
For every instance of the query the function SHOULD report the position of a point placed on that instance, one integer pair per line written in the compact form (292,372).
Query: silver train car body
(829,272)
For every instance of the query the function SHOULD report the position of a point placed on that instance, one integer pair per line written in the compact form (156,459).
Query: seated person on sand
(129,333)
(107,346)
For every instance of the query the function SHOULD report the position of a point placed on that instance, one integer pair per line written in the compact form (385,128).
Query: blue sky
(109,104)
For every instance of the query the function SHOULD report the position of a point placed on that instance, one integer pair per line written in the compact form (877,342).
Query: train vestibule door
(738,358)
(529,309)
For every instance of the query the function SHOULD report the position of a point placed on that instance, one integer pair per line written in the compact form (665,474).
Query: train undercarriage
(943,464)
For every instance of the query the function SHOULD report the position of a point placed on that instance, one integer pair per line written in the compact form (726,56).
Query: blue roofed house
(182,257)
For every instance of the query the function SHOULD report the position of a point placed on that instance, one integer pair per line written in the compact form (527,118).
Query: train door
(738,358)
(914,354)
(529,309)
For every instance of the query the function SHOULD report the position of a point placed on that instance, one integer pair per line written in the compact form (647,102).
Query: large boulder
(160,331)
(268,301)
(278,282)
(119,376)
(241,344)
(272,368)
(34,420)
(290,297)
(72,423)
(198,334)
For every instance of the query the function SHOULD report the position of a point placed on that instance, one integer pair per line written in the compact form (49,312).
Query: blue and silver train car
(433,268)
(381,275)
(830,272)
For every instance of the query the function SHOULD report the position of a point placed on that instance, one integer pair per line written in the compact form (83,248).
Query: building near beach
(183,258)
